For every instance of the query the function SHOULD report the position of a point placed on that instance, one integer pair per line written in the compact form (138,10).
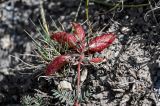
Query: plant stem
(125,5)
(79,75)
(87,16)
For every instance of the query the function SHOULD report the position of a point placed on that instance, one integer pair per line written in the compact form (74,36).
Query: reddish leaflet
(64,38)
(57,64)
(97,60)
(77,41)
(80,35)
(99,43)
(78,31)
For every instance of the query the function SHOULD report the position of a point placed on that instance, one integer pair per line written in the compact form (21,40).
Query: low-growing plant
(68,97)
(80,49)
(59,48)
(36,100)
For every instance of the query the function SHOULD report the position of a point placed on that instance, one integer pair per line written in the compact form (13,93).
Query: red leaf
(64,38)
(97,60)
(57,64)
(99,43)
(78,31)
(80,35)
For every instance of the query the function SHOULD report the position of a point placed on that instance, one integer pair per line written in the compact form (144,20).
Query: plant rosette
(76,41)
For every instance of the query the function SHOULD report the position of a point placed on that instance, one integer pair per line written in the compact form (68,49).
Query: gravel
(131,75)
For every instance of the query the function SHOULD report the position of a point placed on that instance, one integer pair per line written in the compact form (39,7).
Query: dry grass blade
(43,17)
(54,24)
(75,19)
(22,61)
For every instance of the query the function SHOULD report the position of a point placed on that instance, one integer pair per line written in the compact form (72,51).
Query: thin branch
(117,5)
(75,19)
(22,61)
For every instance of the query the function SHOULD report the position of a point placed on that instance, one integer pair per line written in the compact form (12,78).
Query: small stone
(73,13)
(64,85)
(5,42)
(62,18)
(5,71)
(1,77)
(126,17)
(125,30)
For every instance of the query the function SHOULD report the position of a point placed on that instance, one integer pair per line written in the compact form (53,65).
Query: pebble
(64,85)
(125,30)
(5,71)
(1,77)
(115,25)
(5,42)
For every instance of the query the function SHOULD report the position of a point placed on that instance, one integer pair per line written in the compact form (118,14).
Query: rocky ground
(131,75)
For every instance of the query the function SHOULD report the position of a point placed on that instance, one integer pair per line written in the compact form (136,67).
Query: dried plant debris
(132,76)
(126,80)
(129,76)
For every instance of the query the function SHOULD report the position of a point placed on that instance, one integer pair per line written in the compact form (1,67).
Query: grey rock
(1,77)
(97,96)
